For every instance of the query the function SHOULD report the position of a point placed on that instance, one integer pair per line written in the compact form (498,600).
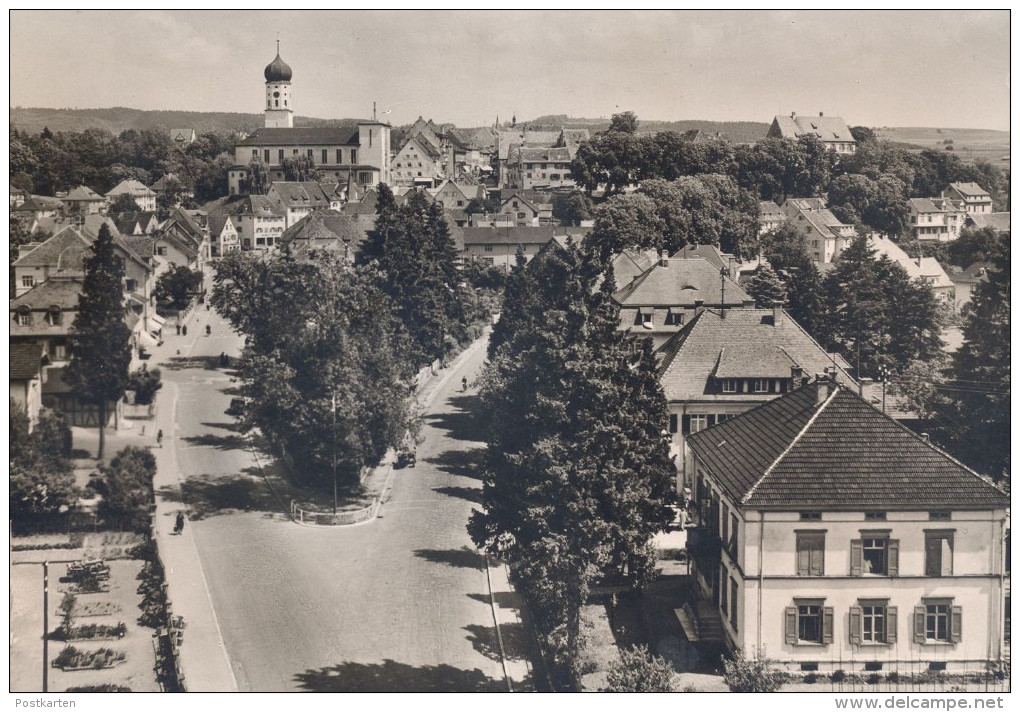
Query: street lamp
(333,409)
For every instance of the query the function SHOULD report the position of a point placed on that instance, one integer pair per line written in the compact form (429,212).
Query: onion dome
(278,70)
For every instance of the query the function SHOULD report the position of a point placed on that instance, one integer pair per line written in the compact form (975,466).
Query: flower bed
(99,688)
(92,632)
(96,608)
(70,658)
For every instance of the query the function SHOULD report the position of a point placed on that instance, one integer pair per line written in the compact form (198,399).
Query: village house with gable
(832,131)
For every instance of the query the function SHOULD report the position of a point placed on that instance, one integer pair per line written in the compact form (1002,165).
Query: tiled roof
(131,187)
(63,251)
(514,236)
(83,193)
(923,205)
(750,362)
(826,128)
(308,136)
(324,226)
(681,282)
(572,137)
(632,263)
(977,272)
(925,268)
(997,221)
(34,203)
(538,155)
(141,245)
(970,190)
(519,195)
(26,361)
(480,139)
(768,209)
(716,257)
(300,195)
(217,223)
(53,293)
(834,451)
(689,358)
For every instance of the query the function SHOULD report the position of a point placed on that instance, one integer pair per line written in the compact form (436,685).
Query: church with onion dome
(358,153)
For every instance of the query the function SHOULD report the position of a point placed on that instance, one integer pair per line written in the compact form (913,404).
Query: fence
(328,519)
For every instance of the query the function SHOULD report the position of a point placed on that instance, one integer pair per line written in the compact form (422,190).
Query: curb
(499,633)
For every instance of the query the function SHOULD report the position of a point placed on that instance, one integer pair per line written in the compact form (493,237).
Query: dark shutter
(686,424)
(890,624)
(790,622)
(828,620)
(956,624)
(855,625)
(817,558)
(894,557)
(919,614)
(856,557)
(932,556)
(803,556)
(672,422)
(711,420)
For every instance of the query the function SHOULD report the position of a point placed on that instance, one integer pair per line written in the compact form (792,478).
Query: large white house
(835,538)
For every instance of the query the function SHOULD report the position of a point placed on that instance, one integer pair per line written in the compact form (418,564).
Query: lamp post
(333,410)
(46,627)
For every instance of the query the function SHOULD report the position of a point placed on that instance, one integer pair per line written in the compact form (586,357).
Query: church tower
(279,112)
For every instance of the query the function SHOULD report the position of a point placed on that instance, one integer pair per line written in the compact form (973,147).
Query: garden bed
(93,609)
(71,659)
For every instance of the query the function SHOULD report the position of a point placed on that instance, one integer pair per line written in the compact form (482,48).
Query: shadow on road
(471,494)
(231,425)
(209,363)
(463,423)
(462,558)
(391,676)
(463,463)
(486,642)
(220,442)
(209,495)
(503,599)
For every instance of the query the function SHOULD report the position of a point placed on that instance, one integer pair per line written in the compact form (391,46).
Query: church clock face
(276,95)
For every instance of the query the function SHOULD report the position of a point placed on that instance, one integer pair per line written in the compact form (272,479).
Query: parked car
(236,406)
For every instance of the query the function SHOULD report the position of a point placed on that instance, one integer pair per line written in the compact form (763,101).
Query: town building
(976,199)
(324,231)
(540,168)
(26,378)
(259,221)
(184,239)
(497,247)
(143,195)
(456,196)
(837,539)
(997,221)
(182,137)
(417,162)
(223,237)
(770,217)
(524,210)
(724,362)
(832,131)
(825,235)
(936,219)
(359,153)
(39,207)
(84,201)
(660,301)
(136,223)
(298,199)
(966,281)
(925,270)
(524,135)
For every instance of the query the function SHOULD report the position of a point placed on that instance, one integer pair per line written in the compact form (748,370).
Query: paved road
(398,604)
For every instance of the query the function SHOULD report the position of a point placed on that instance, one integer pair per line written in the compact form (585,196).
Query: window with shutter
(890,625)
(810,553)
(856,557)
(956,625)
(686,424)
(938,553)
(828,623)
(920,613)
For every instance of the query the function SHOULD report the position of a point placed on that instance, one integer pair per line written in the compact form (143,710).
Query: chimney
(796,372)
(821,115)
(823,391)
(777,315)
(793,114)
(699,306)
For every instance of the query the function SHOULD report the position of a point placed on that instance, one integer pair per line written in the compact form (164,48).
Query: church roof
(305,136)
(278,70)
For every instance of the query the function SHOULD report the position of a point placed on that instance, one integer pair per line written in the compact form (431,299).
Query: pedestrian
(184,329)
(463,383)
(179,523)
(178,329)
(159,438)
(208,330)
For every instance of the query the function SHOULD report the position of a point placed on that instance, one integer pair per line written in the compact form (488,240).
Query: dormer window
(23,317)
(761,385)
(729,385)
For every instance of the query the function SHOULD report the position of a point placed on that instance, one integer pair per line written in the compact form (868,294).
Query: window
(872,622)
(254,154)
(810,553)
(266,152)
(23,317)
(811,516)
(938,553)
(646,318)
(28,281)
(937,620)
(733,603)
(340,157)
(732,544)
(130,284)
(808,622)
(729,385)
(698,423)
(939,516)
(488,260)
(521,215)
(761,385)
(325,155)
(294,152)
(874,554)
(279,155)
(354,155)
(488,248)
(874,516)
(60,352)
(724,591)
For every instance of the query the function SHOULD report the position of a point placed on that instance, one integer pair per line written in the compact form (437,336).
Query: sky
(946,69)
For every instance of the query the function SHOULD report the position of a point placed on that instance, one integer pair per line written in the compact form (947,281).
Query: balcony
(703,545)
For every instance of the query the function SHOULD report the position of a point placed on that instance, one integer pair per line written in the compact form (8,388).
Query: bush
(638,670)
(893,677)
(145,384)
(874,678)
(72,658)
(109,687)
(127,484)
(810,679)
(753,674)
(838,676)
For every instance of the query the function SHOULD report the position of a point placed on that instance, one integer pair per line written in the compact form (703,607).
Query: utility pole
(45,626)
(722,293)
(333,402)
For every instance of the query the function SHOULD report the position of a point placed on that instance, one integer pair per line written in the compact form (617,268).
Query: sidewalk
(514,635)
